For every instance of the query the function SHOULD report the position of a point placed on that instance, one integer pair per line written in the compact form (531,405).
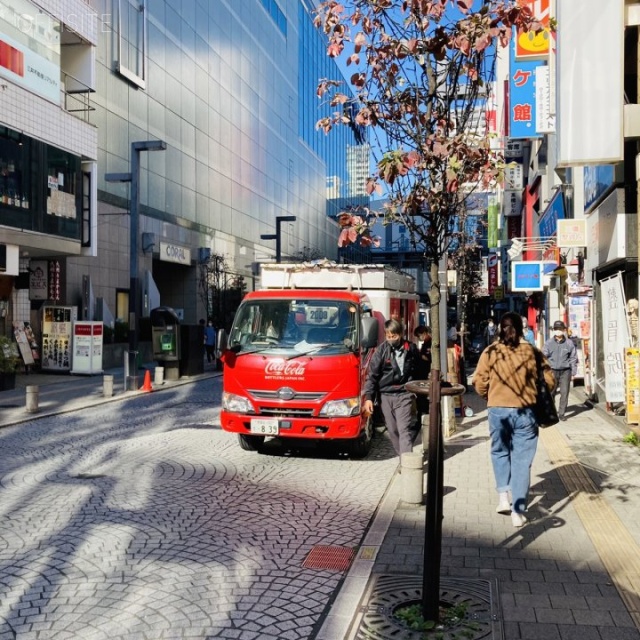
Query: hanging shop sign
(545,101)
(493,211)
(522,97)
(492,270)
(527,276)
(513,149)
(54,281)
(572,233)
(514,176)
(38,280)
(532,44)
(548,225)
(512,204)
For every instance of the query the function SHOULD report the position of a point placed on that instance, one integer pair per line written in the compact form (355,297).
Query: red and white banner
(492,270)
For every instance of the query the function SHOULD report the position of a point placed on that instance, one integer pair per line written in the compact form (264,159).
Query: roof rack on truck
(327,274)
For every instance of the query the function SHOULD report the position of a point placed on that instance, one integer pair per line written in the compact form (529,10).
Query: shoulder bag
(545,408)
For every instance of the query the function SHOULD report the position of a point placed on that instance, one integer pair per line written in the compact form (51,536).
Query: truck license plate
(264,426)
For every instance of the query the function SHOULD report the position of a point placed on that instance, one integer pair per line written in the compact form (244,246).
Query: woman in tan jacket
(506,377)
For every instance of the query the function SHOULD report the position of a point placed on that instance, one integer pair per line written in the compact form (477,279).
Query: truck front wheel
(361,446)
(250,443)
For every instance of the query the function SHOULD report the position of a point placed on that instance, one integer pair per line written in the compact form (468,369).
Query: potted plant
(9,359)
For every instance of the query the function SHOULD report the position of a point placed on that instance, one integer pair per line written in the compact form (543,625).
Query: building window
(63,187)
(14,181)
(276,15)
(132,41)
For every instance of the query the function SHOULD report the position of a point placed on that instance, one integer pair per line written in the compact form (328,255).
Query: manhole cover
(477,598)
(332,558)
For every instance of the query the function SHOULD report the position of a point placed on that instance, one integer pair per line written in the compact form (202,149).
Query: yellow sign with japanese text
(632,384)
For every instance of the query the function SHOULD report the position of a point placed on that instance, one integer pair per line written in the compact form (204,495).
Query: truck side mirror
(369,332)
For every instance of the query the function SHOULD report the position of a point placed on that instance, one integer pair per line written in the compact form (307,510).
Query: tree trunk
(435,299)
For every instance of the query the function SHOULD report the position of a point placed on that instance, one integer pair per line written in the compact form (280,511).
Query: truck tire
(250,443)
(360,447)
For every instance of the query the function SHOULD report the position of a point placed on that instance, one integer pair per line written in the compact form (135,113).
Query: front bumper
(342,428)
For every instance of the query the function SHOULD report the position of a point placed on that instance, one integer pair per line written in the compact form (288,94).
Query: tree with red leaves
(419,70)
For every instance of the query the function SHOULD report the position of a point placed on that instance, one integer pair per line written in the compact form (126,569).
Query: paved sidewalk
(573,572)
(60,393)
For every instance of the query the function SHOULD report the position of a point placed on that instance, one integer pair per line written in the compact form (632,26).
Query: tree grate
(386,593)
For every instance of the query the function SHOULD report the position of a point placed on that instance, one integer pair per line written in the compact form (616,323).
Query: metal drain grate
(386,593)
(331,558)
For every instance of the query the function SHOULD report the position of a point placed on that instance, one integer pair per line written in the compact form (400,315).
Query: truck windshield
(300,326)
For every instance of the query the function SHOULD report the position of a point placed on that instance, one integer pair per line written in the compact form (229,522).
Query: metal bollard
(32,399)
(107,386)
(412,477)
(158,375)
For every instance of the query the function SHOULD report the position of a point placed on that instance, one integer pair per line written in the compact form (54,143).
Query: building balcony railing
(77,97)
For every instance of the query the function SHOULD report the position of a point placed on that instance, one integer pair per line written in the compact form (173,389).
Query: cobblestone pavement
(140,520)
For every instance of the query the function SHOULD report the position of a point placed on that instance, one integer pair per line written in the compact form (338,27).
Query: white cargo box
(330,275)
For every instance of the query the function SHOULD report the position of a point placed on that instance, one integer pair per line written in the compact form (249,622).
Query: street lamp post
(277,236)
(131,382)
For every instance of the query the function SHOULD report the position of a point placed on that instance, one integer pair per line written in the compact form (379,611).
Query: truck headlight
(337,408)
(236,404)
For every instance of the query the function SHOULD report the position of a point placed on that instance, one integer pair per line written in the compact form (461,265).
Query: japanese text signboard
(632,379)
(522,97)
(615,337)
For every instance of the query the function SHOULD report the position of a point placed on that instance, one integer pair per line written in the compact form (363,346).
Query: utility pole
(131,381)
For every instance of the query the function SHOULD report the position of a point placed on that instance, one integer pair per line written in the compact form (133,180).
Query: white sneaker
(504,504)
(518,519)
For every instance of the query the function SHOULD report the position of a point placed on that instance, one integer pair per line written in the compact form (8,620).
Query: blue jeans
(514,438)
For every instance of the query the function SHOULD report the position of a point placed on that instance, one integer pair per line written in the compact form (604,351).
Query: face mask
(395,343)
(558,333)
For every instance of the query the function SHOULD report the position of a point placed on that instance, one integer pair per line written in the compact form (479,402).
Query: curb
(86,402)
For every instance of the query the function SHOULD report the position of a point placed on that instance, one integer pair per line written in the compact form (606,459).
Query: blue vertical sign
(522,96)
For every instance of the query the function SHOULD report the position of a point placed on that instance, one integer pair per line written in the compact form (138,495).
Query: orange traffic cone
(147,381)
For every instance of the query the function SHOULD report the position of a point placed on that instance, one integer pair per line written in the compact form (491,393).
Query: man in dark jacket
(563,358)
(393,365)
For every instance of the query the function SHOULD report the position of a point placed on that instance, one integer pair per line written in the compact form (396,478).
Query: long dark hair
(511,329)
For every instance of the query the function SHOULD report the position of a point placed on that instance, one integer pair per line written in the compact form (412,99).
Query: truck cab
(296,363)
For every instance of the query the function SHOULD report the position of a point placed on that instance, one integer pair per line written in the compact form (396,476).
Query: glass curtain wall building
(344,149)
(231,88)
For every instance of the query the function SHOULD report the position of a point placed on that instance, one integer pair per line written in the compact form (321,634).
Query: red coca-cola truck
(299,348)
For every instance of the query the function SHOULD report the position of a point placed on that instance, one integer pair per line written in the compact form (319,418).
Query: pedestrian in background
(563,356)
(490,334)
(506,376)
(210,341)
(527,332)
(392,365)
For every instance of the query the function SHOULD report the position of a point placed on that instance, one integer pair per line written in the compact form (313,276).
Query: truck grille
(300,396)
(286,411)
